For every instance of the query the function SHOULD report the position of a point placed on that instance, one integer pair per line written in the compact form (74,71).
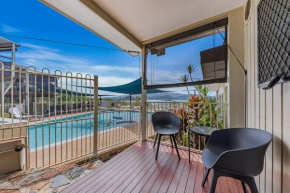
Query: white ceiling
(146,19)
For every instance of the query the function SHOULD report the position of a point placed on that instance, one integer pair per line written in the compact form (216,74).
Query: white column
(236,86)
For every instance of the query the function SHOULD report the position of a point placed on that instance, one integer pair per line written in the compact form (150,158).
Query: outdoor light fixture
(161,52)
(18,148)
(273,81)
(158,51)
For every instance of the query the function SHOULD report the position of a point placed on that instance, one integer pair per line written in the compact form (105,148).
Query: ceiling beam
(99,11)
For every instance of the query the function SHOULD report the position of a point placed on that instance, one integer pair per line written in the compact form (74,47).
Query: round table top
(202,130)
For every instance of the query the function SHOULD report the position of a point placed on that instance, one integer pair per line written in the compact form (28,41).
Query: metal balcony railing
(191,114)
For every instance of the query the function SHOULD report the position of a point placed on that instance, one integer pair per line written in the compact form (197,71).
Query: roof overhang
(129,24)
(7,45)
(94,20)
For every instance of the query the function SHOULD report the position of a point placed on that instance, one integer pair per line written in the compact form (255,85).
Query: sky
(31,18)
(169,68)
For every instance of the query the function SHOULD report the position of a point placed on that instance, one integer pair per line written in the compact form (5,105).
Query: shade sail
(131,88)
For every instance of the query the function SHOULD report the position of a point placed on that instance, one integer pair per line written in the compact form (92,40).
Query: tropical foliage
(199,110)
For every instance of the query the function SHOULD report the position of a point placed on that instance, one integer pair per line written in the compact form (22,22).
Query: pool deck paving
(48,180)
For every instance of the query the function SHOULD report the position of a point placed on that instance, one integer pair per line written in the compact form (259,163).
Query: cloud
(112,81)
(8,29)
(74,84)
(53,59)
(109,75)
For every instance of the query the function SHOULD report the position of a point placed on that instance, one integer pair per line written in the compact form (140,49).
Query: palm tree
(201,109)
(201,89)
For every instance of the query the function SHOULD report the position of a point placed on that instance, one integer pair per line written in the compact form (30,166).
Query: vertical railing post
(144,96)
(140,118)
(2,93)
(210,109)
(95,114)
(28,113)
(224,106)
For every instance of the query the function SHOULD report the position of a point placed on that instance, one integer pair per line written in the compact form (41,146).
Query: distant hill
(168,96)
(159,96)
(127,98)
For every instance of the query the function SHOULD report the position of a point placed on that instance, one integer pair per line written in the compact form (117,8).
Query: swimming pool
(69,128)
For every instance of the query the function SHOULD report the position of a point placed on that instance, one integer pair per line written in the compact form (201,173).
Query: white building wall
(268,110)
(236,74)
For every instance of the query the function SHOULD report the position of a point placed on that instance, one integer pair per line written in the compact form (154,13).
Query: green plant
(185,138)
(200,110)
(7,115)
(137,98)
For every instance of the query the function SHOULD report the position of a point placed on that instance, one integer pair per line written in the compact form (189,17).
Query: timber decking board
(136,170)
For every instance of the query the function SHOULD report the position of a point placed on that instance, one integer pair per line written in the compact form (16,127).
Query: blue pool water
(52,132)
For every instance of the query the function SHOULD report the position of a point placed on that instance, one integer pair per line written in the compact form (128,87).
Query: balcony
(136,170)
(254,29)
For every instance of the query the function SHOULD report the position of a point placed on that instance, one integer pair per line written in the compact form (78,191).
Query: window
(195,57)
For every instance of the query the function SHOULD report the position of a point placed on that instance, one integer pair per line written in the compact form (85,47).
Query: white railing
(117,127)
(191,114)
(53,114)
(119,123)
(119,104)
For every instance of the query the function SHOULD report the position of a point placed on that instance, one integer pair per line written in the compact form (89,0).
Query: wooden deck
(136,170)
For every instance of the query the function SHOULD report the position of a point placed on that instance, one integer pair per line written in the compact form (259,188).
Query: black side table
(201,131)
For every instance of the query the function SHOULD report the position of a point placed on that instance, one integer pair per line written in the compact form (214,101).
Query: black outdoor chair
(165,123)
(237,153)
